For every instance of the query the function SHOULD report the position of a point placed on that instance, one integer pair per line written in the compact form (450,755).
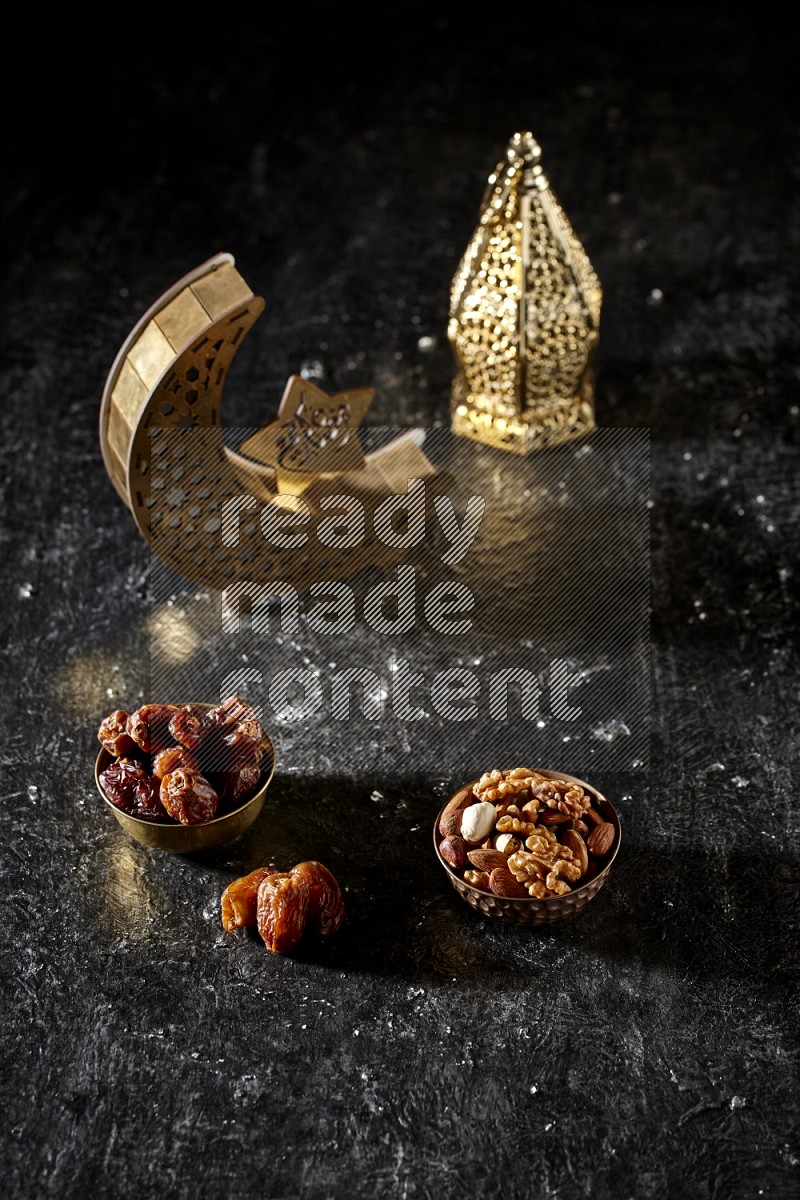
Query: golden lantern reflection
(173,635)
(124,897)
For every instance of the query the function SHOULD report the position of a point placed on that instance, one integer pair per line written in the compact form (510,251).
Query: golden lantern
(524,315)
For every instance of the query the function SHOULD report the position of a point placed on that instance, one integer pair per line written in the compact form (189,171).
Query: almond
(574,842)
(503,883)
(601,839)
(593,816)
(450,820)
(486,860)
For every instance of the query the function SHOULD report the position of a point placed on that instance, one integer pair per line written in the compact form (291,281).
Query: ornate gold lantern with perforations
(524,315)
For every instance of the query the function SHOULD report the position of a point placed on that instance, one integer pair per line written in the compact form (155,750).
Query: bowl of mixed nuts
(184,777)
(527,846)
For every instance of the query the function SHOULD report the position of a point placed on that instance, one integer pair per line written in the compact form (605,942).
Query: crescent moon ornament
(208,510)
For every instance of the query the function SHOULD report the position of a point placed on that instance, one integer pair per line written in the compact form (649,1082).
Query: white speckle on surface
(656,296)
(737,1102)
(25,591)
(740,782)
(608,731)
(534,1089)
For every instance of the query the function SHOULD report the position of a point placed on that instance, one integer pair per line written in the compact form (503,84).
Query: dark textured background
(648,1049)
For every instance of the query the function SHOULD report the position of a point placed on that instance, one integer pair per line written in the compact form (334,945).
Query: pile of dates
(183,763)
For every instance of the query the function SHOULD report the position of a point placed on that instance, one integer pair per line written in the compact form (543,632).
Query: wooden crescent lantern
(204,507)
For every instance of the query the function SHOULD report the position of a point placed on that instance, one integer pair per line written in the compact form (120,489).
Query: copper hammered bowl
(529,911)
(191,839)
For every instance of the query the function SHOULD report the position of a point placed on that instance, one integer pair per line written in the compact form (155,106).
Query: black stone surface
(647,1049)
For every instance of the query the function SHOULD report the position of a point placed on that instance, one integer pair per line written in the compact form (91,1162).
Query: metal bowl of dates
(504,897)
(171,835)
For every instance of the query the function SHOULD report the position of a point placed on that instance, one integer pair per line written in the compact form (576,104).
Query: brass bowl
(529,911)
(189,839)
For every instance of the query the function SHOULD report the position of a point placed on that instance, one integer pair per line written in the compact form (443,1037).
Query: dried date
(248,740)
(231,711)
(189,726)
(239,903)
(171,758)
(149,726)
(237,742)
(281,910)
(325,901)
(147,800)
(235,784)
(188,797)
(113,734)
(119,781)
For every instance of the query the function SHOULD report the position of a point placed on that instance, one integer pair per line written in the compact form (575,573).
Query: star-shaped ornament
(313,434)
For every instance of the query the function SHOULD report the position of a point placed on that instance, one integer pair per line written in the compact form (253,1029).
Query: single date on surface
(183,764)
(283,905)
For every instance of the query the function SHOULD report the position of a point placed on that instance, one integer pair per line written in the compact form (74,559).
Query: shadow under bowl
(529,911)
(191,839)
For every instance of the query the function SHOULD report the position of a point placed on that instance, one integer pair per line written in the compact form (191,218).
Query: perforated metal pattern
(524,315)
